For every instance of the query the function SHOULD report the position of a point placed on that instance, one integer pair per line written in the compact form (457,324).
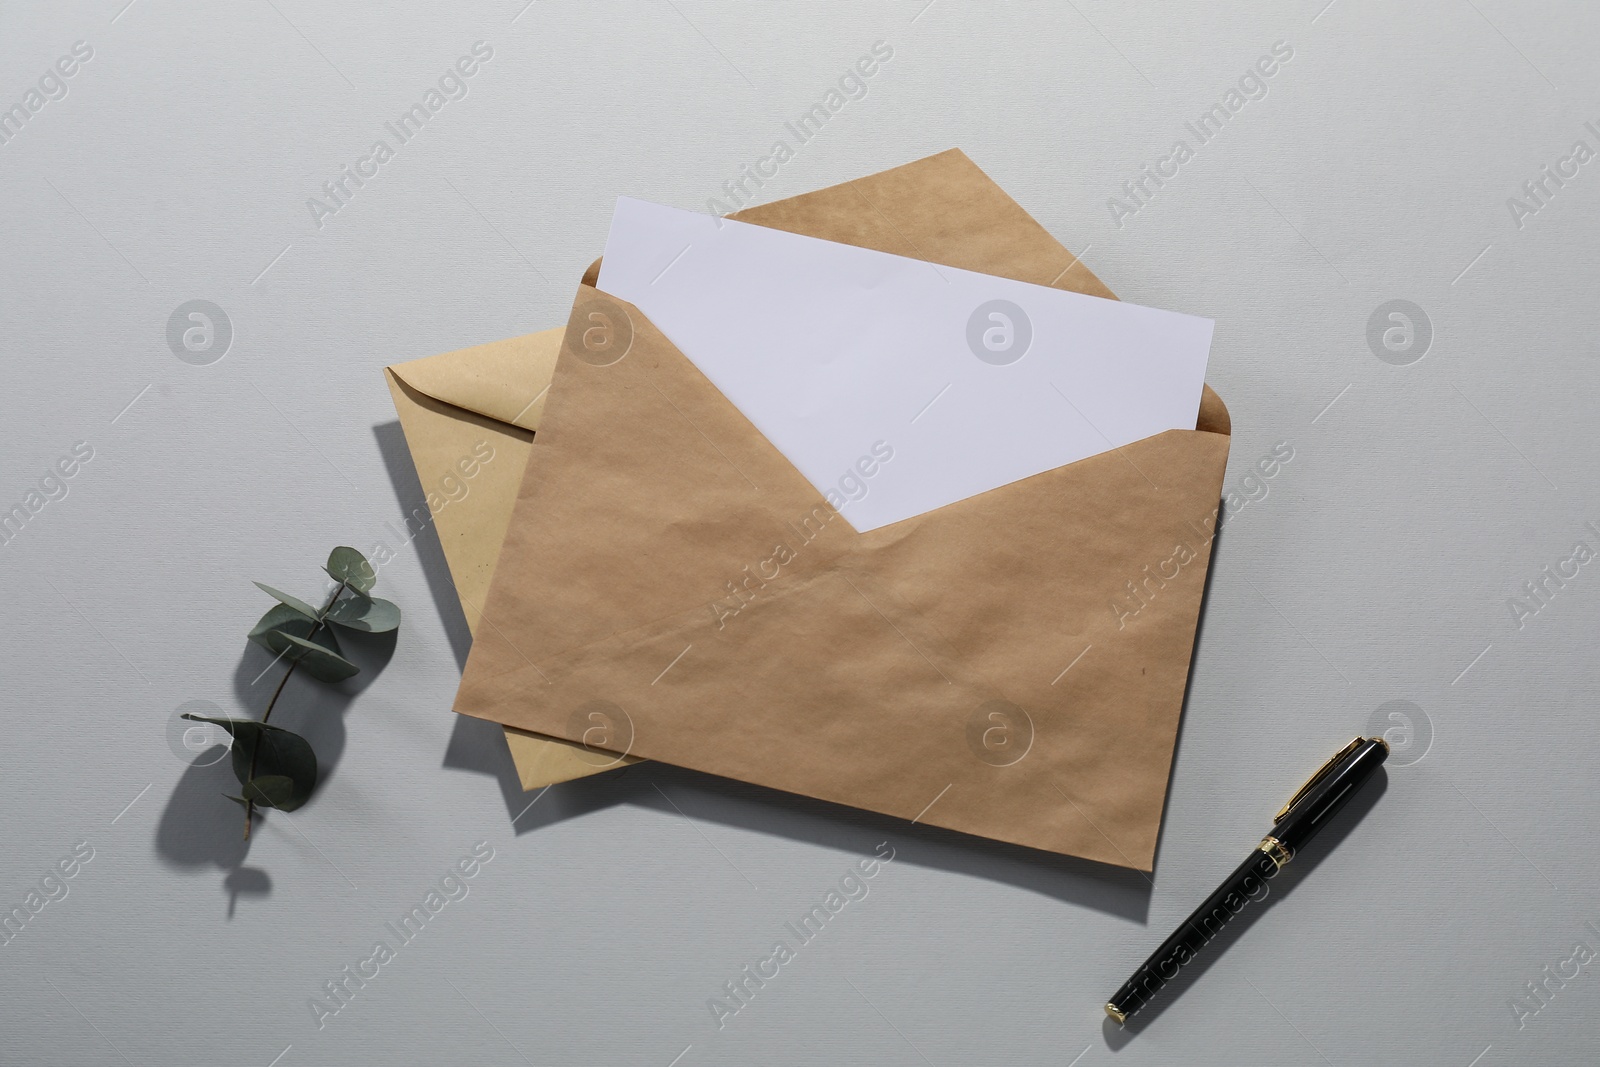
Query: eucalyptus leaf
(276,753)
(281,617)
(285,599)
(351,567)
(319,662)
(272,791)
(369,614)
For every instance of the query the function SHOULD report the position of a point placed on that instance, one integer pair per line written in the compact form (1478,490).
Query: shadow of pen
(1308,860)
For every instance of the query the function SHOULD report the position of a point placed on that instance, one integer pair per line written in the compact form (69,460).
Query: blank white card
(897,386)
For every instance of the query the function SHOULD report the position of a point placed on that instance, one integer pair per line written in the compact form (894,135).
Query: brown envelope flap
(506,380)
(852,667)
(942,208)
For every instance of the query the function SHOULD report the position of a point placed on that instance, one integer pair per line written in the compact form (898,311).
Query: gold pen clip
(1321,773)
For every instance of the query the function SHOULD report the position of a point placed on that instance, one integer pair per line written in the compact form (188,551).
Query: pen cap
(1310,809)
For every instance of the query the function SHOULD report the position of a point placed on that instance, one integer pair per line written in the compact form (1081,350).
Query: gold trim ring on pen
(1280,853)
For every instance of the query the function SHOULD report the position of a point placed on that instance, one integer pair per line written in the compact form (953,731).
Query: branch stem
(322,617)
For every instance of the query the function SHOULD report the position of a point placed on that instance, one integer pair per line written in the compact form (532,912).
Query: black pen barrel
(1245,886)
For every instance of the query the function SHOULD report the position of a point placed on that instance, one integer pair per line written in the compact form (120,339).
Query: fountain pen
(1297,822)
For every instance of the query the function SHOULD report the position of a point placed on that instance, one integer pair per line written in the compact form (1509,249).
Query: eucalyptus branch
(277,768)
(255,755)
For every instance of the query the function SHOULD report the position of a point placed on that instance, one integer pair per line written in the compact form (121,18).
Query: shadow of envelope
(469,418)
(1012,665)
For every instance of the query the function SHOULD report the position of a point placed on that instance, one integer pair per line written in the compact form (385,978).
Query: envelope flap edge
(504,380)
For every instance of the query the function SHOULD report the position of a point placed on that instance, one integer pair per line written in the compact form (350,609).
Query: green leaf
(284,632)
(272,791)
(283,618)
(369,614)
(351,567)
(237,800)
(319,662)
(276,753)
(300,606)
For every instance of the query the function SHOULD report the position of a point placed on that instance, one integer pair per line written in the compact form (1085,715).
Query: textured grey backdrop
(1385,160)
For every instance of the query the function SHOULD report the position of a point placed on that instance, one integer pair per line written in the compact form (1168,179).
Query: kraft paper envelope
(1012,665)
(469,418)
(449,404)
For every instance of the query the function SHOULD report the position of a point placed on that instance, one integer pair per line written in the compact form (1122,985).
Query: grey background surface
(1379,566)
